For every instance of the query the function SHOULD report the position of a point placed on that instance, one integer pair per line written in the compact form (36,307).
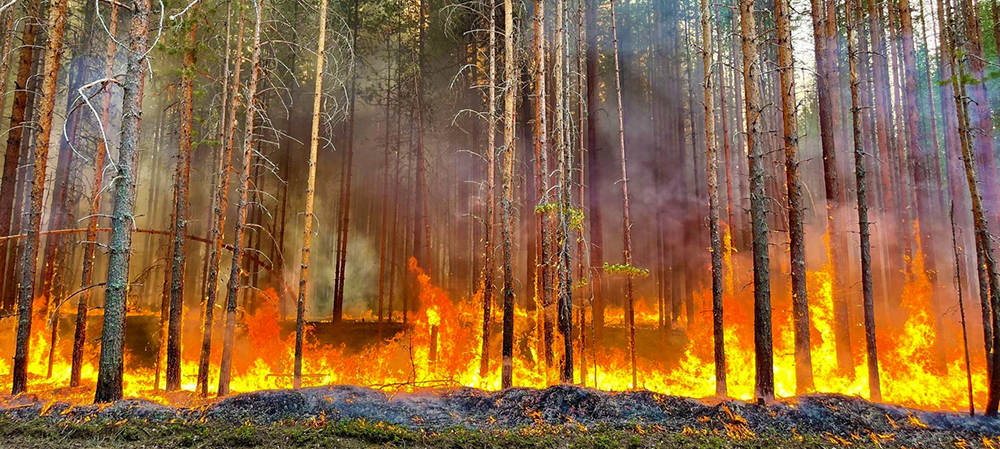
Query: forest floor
(558,417)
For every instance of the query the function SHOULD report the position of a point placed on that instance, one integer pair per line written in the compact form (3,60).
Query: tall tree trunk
(491,132)
(543,180)
(109,377)
(15,133)
(564,153)
(712,171)
(868,292)
(626,220)
(829,121)
(26,298)
(300,307)
(90,248)
(961,309)
(239,228)
(594,174)
(226,138)
(921,160)
(182,179)
(345,219)
(984,250)
(764,357)
(796,228)
(506,206)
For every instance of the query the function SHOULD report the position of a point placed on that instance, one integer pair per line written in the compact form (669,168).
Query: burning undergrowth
(833,419)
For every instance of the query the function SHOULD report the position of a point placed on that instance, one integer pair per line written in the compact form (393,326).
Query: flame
(265,352)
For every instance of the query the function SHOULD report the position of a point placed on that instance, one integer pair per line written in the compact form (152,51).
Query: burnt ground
(559,416)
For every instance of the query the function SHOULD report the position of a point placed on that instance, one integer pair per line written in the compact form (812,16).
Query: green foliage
(626,269)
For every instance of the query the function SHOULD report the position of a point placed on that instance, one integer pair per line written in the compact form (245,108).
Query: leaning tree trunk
(239,229)
(109,377)
(868,292)
(182,179)
(491,167)
(764,357)
(506,206)
(83,304)
(300,305)
(15,133)
(796,228)
(26,297)
(712,171)
(221,203)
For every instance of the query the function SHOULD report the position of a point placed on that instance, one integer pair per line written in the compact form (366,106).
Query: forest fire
(557,215)
(405,362)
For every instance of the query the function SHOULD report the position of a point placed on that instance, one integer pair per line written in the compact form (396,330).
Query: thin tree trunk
(594,175)
(712,171)
(491,130)
(109,377)
(15,133)
(239,228)
(300,307)
(626,220)
(182,179)
(868,292)
(961,309)
(829,113)
(226,138)
(564,152)
(90,248)
(506,206)
(796,228)
(984,250)
(764,385)
(26,298)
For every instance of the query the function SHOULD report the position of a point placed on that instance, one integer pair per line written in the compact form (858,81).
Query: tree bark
(764,384)
(226,138)
(236,273)
(829,121)
(90,248)
(491,131)
(26,297)
(15,133)
(868,293)
(712,171)
(182,179)
(506,206)
(109,377)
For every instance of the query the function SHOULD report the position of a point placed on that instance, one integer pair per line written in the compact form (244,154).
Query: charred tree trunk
(564,153)
(109,377)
